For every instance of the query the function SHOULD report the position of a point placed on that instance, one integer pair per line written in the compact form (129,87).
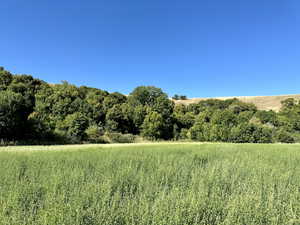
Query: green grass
(184,183)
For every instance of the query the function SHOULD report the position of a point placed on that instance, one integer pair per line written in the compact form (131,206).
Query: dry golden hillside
(262,102)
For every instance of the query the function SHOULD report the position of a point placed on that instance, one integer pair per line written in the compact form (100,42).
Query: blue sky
(198,48)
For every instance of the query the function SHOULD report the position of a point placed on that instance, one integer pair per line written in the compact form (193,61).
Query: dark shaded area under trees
(35,112)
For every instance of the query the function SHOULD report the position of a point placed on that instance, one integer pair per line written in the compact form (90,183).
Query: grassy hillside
(183,183)
(262,102)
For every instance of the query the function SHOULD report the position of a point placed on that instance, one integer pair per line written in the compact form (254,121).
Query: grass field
(183,183)
(261,102)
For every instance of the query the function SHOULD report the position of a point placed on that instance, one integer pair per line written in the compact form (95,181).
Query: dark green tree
(13,116)
(152,127)
(5,79)
(175,97)
(74,126)
(113,99)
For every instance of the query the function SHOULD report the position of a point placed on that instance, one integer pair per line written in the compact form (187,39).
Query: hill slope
(262,102)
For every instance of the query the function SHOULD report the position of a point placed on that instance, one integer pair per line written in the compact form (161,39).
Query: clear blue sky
(199,48)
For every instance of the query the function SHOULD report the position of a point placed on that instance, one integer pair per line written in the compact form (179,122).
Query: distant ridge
(261,102)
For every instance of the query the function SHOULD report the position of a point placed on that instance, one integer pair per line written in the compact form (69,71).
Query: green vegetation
(184,183)
(34,112)
(179,97)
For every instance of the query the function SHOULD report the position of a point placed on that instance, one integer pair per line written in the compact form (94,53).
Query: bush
(284,137)
(95,134)
(184,133)
(119,138)
(263,135)
(296,137)
(251,133)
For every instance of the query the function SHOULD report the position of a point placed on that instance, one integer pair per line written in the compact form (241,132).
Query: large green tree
(145,95)
(13,116)
(152,127)
(74,127)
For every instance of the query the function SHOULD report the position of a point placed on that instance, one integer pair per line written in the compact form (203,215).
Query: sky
(198,48)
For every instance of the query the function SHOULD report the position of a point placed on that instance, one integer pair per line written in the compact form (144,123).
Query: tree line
(35,112)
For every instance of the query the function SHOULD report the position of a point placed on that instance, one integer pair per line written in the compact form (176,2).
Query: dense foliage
(151,184)
(33,111)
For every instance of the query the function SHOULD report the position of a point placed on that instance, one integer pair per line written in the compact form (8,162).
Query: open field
(161,183)
(261,102)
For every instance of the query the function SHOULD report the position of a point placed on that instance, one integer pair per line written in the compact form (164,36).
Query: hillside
(34,112)
(262,102)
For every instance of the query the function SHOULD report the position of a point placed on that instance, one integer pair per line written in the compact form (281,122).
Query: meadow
(160,183)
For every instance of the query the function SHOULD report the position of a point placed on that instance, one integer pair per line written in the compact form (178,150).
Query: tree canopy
(33,111)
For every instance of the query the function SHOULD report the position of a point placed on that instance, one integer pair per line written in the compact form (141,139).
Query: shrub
(119,138)
(263,135)
(284,137)
(95,134)
(184,133)
(242,133)
(251,133)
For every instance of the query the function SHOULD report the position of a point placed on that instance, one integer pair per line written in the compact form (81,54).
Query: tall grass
(152,184)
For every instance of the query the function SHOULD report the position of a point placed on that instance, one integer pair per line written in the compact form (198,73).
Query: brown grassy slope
(261,102)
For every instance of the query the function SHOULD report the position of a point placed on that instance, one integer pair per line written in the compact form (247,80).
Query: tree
(251,133)
(152,127)
(94,134)
(145,95)
(290,115)
(244,117)
(284,136)
(263,134)
(225,118)
(163,106)
(42,114)
(238,107)
(211,105)
(175,97)
(119,119)
(114,119)
(288,104)
(179,97)
(13,116)
(59,101)
(200,131)
(138,117)
(243,133)
(180,108)
(5,79)
(31,108)
(74,126)
(267,117)
(113,99)
(94,99)
(184,120)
